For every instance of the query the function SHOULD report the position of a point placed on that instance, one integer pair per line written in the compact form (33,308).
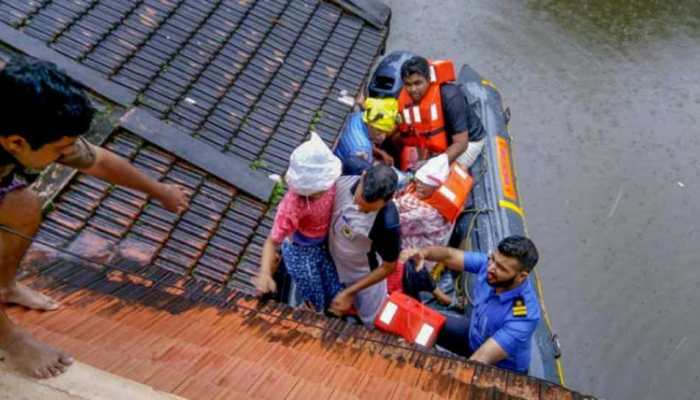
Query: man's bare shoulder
(82,157)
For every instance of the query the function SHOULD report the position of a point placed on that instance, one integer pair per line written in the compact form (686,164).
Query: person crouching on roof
(301,226)
(44,116)
(422,225)
(435,116)
(359,146)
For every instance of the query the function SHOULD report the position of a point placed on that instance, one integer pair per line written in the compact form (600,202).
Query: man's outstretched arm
(104,164)
(451,258)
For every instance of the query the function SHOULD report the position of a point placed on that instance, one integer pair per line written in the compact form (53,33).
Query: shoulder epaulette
(519,308)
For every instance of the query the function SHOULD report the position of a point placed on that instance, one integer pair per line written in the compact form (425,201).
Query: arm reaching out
(265,281)
(117,170)
(451,258)
(460,142)
(108,166)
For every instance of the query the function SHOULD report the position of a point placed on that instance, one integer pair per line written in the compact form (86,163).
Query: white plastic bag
(313,167)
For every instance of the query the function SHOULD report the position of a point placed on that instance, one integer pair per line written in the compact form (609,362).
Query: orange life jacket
(450,198)
(423,125)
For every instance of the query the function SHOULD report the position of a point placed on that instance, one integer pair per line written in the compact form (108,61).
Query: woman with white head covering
(301,226)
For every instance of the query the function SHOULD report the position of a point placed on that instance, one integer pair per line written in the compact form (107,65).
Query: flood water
(605,97)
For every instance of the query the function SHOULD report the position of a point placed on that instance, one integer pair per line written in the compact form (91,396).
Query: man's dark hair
(520,248)
(355,165)
(379,183)
(415,65)
(39,102)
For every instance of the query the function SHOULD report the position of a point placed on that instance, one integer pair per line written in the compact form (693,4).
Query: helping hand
(418,165)
(342,303)
(360,100)
(264,284)
(417,255)
(173,197)
(386,158)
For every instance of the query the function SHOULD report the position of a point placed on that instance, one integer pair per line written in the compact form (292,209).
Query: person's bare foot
(27,297)
(34,358)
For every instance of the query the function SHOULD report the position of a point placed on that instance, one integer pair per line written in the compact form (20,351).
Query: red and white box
(409,318)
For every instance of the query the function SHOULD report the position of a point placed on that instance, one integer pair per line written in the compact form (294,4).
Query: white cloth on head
(313,167)
(435,171)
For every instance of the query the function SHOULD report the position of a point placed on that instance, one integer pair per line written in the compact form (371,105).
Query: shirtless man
(43,114)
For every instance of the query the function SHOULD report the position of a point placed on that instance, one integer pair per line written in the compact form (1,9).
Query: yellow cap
(381,114)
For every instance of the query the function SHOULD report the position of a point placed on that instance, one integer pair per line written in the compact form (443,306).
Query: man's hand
(386,158)
(342,303)
(417,255)
(264,284)
(360,100)
(173,197)
(418,165)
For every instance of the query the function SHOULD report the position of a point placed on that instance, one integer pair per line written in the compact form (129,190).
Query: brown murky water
(605,98)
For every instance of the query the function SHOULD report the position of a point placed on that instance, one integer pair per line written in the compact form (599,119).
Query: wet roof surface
(250,78)
(246,78)
(200,340)
(209,240)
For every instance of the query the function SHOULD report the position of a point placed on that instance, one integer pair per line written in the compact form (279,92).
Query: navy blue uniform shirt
(510,318)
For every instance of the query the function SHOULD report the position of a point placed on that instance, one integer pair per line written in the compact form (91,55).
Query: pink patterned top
(311,218)
(421,225)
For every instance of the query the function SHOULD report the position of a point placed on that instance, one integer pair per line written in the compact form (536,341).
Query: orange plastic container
(409,318)
(444,71)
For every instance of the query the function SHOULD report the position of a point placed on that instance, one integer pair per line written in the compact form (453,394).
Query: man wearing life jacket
(435,116)
(506,309)
(364,133)
(427,211)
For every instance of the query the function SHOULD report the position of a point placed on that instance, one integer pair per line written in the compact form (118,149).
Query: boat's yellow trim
(540,289)
(511,206)
(488,83)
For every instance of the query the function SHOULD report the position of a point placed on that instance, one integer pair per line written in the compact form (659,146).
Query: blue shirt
(355,147)
(502,316)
